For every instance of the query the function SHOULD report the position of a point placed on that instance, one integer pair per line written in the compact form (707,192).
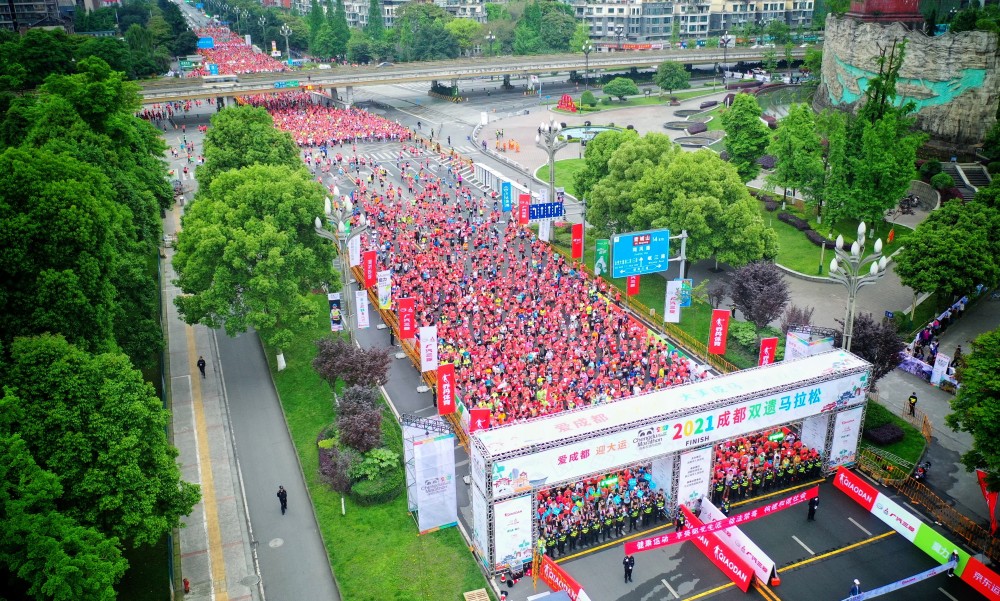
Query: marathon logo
(650,437)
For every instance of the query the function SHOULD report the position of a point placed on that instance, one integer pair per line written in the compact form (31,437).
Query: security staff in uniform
(541,543)
(725,507)
(756,483)
(647,512)
(720,487)
(584,532)
(561,542)
(574,533)
(780,475)
(769,479)
(802,471)
(633,517)
(609,520)
(595,529)
(620,522)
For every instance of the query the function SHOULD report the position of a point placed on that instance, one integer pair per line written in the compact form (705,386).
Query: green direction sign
(187,65)
(286,84)
(776,436)
(602,260)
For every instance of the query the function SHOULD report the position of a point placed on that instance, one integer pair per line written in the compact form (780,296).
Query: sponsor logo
(722,558)
(889,513)
(436,486)
(847,483)
(650,437)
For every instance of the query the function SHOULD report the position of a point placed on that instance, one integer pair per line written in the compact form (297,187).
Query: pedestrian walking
(813,504)
(629,563)
(201,365)
(953,559)
(283,499)
(913,404)
(856,588)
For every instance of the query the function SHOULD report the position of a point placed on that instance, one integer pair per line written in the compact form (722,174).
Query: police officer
(769,479)
(609,520)
(780,475)
(584,532)
(802,471)
(620,521)
(756,483)
(574,534)
(725,506)
(661,504)
(562,541)
(680,521)
(595,528)
(633,517)
(647,512)
(541,543)
(720,487)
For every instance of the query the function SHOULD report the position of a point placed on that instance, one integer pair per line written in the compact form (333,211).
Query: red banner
(446,388)
(368,260)
(991,500)
(732,565)
(407,318)
(523,209)
(768,347)
(479,419)
(632,285)
(558,580)
(577,241)
(984,580)
(655,542)
(718,331)
(855,487)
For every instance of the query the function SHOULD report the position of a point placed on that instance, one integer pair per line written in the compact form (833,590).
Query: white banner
(672,308)
(739,543)
(695,476)
(384,280)
(361,302)
(846,430)
(411,433)
(428,348)
(544,230)
(897,518)
(663,473)
(814,429)
(941,363)
(354,251)
(512,531)
(434,464)
(806,344)
(480,519)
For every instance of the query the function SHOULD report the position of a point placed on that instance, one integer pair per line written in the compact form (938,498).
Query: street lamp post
(343,238)
(245,14)
(619,34)
(263,32)
(490,38)
(548,140)
(286,31)
(587,49)
(855,272)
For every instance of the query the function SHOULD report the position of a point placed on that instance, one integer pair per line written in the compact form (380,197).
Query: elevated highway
(346,78)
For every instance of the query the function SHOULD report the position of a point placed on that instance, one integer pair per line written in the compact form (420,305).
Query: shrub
(818,239)
(770,206)
(327,443)
(766,162)
(942,181)
(606,100)
(359,419)
(884,435)
(744,333)
(697,128)
(588,99)
(381,490)
(950,194)
(876,415)
(796,222)
(929,169)
(335,467)
(376,463)
(993,168)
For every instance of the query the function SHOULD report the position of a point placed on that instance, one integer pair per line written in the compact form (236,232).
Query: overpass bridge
(347,78)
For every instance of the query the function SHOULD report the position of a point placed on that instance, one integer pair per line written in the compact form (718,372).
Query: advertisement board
(361,302)
(602,257)
(813,432)
(639,253)
(506,197)
(477,467)
(695,476)
(512,531)
(480,533)
(718,332)
(558,580)
(336,315)
(740,543)
(941,363)
(407,318)
(728,562)
(672,304)
(846,430)
(446,389)
(806,344)
(428,348)
(384,290)
(434,464)
(369,258)
(354,251)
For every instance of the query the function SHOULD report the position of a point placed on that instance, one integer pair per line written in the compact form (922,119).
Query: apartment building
(19,15)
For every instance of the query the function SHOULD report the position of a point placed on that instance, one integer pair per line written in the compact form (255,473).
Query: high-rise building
(20,15)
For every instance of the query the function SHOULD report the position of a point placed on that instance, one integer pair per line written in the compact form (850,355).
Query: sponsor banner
(941,363)
(407,318)
(846,430)
(695,476)
(813,434)
(506,197)
(662,470)
(523,209)
(899,584)
(632,285)
(602,257)
(512,531)
(480,521)
(740,543)
(434,465)
(368,260)
(672,306)
(361,302)
(354,251)
(897,518)
(768,347)
(384,290)
(428,348)
(854,486)
(336,315)
(984,580)
(731,565)
(446,388)
(686,285)
(577,241)
(991,500)
(545,230)
(479,419)
(931,542)
(558,580)
(718,331)
(692,531)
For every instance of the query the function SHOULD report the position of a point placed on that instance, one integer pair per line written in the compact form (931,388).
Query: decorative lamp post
(263,32)
(286,31)
(619,34)
(343,237)
(855,272)
(246,16)
(490,38)
(548,140)
(587,49)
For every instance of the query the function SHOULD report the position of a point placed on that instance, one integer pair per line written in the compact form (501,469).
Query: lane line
(945,593)
(462,463)
(796,539)
(862,528)
(670,588)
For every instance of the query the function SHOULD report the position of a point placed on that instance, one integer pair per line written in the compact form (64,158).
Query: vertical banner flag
(686,285)
(368,258)
(523,209)
(354,251)
(428,348)
(336,316)
(717,332)
(672,309)
(434,471)
(543,195)
(384,290)
(545,230)
(479,419)
(361,302)
(602,258)
(768,347)
(991,500)
(632,285)
(506,197)
(446,388)
(577,241)
(407,318)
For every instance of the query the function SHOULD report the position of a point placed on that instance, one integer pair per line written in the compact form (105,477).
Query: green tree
(418,31)
(798,152)
(770,60)
(596,158)
(315,20)
(526,40)
(672,76)
(621,88)
(496,12)
(813,65)
(43,52)
(976,406)
(779,31)
(375,27)
(557,30)
(248,255)
(243,136)
(94,423)
(588,99)
(359,48)
(111,50)
(325,44)
(581,35)
(746,135)
(466,33)
(341,30)
(434,42)
(882,167)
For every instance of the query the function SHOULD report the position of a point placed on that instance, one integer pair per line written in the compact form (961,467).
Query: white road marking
(670,588)
(945,593)
(863,529)
(796,539)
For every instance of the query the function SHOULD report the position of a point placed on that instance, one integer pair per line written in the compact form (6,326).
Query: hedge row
(381,490)
(803,226)
(697,128)
(884,435)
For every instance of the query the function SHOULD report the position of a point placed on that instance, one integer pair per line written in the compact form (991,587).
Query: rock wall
(952,78)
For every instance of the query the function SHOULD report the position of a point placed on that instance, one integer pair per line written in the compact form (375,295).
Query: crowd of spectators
(232,55)
(748,466)
(312,124)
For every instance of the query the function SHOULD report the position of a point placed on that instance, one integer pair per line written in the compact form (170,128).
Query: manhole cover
(250,580)
(276,542)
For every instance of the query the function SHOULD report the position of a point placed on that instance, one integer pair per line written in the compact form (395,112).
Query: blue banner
(506,197)
(213,69)
(547,210)
(206,42)
(905,582)
(640,253)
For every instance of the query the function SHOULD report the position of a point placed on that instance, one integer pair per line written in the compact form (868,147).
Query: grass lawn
(910,448)
(565,170)
(716,123)
(375,552)
(653,98)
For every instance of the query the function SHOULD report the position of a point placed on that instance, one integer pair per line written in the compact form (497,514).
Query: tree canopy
(672,76)
(746,135)
(243,136)
(760,292)
(976,406)
(621,88)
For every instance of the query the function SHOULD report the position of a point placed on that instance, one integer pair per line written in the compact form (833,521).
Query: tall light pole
(246,16)
(343,238)
(548,140)
(286,31)
(619,34)
(856,271)
(490,38)
(263,32)
(587,49)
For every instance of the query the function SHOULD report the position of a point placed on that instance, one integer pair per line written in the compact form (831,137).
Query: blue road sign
(546,210)
(640,253)
(506,197)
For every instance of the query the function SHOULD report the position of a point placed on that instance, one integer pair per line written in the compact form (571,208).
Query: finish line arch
(670,429)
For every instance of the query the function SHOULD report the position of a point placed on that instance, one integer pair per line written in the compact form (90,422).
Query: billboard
(740,543)
(434,465)
(639,253)
(512,531)
(542,211)
(846,430)
(799,344)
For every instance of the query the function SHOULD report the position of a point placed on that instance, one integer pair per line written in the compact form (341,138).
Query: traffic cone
(775,580)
